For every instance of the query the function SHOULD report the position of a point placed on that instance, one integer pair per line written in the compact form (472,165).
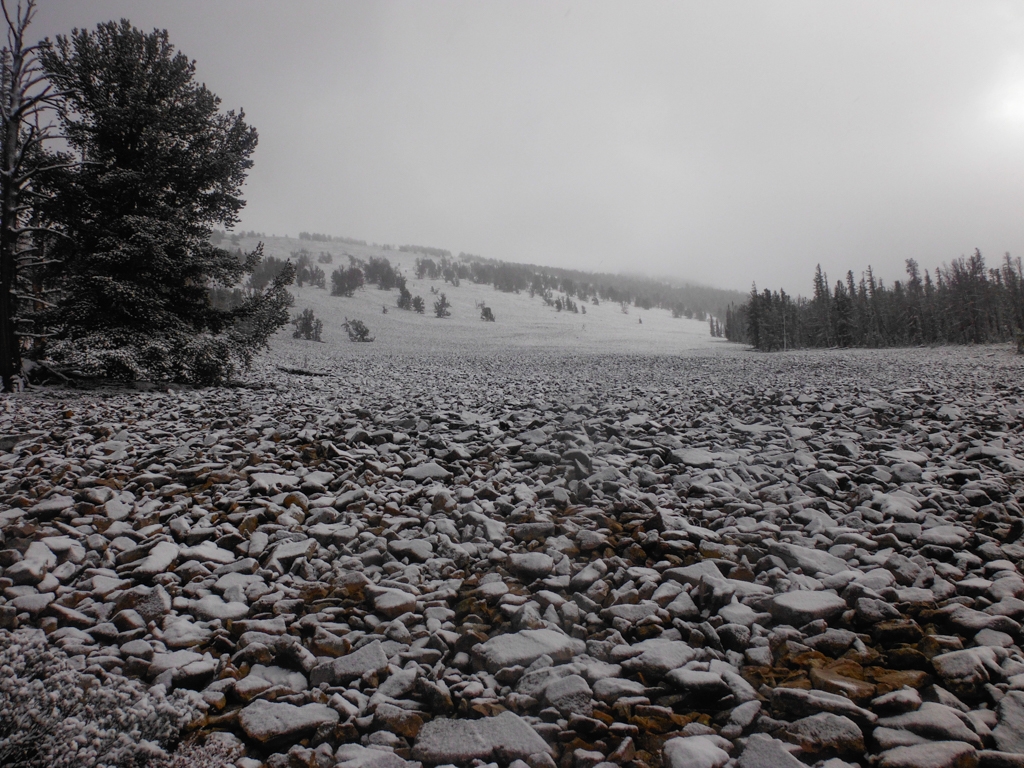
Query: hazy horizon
(717,144)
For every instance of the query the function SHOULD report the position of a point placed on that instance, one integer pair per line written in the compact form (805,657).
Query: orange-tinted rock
(832,681)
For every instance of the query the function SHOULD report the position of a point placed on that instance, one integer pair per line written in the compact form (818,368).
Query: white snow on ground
(522,322)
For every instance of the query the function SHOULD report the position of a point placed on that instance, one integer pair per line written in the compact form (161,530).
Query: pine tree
(1013,286)
(308,326)
(163,166)
(822,309)
(915,300)
(442,307)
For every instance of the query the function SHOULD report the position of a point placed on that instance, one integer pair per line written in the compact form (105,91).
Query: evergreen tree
(404,297)
(344,282)
(965,304)
(1012,273)
(162,167)
(442,307)
(308,326)
(822,310)
(914,316)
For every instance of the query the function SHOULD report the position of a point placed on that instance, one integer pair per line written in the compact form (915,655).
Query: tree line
(116,167)
(691,301)
(965,302)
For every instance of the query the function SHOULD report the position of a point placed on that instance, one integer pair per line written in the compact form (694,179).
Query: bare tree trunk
(24,93)
(13,110)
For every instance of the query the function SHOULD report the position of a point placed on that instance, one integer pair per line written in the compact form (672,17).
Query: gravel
(729,560)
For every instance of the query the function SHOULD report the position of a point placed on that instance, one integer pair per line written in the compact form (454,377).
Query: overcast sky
(719,142)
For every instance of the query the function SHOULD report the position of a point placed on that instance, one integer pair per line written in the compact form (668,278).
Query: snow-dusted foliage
(183,354)
(55,716)
(190,358)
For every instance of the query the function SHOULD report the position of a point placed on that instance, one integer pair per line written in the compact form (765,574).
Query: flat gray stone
(506,737)
(936,754)
(611,689)
(694,574)
(944,536)
(762,751)
(810,561)
(933,721)
(37,561)
(693,752)
(826,732)
(416,550)
(429,471)
(159,559)
(803,606)
(118,509)
(571,695)
(287,552)
(698,683)
(993,758)
(531,565)
(269,482)
(215,607)
(630,612)
(525,647)
(265,721)
(659,657)
(174,660)
(150,602)
(907,473)
(51,506)
(33,604)
(235,579)
(140,649)
(1009,731)
(207,552)
(966,668)
(394,602)
(693,457)
(289,679)
(534,436)
(358,756)
(911,457)
(370,657)
(800,703)
(179,632)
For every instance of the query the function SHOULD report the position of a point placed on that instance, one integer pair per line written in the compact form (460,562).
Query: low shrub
(357,330)
(53,716)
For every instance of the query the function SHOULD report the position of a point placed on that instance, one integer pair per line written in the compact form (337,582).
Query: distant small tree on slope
(307,326)
(357,330)
(442,307)
(344,282)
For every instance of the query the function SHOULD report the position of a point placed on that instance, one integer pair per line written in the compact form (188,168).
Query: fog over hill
(634,314)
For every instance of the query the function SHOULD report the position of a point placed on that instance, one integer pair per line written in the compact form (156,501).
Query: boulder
(803,606)
(268,721)
(526,646)
(505,737)
(693,752)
